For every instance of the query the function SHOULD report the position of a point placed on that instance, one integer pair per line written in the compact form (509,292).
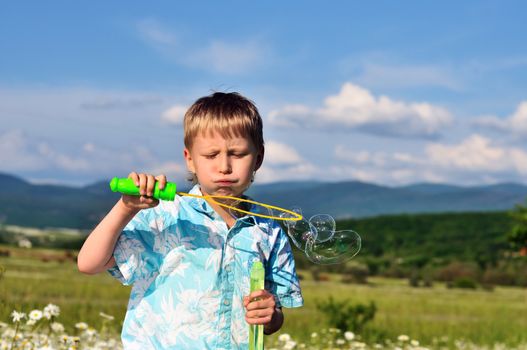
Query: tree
(518,235)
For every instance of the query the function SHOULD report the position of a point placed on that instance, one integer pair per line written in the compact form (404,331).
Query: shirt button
(226,302)
(228,268)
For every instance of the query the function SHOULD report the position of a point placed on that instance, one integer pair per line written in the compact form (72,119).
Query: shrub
(395,270)
(318,275)
(345,316)
(428,281)
(498,277)
(415,279)
(457,270)
(356,274)
(465,283)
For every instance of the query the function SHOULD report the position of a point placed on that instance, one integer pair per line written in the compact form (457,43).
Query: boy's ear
(188,160)
(259,159)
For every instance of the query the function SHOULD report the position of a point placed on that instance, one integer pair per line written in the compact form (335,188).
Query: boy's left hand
(260,306)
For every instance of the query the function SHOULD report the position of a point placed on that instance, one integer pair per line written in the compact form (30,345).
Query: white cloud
(355,108)
(174,171)
(478,154)
(217,55)
(360,157)
(473,160)
(174,115)
(283,163)
(17,155)
(515,124)
(302,171)
(277,153)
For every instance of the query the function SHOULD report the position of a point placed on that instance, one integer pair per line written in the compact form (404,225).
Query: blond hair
(229,114)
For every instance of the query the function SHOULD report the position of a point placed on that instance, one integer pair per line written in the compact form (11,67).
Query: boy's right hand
(146,183)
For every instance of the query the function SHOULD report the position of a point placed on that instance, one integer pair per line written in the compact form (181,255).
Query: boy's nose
(225,165)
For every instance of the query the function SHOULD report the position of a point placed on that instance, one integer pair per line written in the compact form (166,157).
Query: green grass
(480,316)
(29,283)
(422,313)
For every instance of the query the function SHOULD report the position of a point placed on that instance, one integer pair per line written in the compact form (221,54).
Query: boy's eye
(210,156)
(238,154)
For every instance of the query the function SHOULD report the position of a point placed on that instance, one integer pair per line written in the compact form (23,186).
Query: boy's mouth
(223,182)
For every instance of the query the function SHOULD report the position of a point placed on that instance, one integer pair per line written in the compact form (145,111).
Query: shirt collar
(199,204)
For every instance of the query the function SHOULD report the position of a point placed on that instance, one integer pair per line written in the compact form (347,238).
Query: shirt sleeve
(134,253)
(281,273)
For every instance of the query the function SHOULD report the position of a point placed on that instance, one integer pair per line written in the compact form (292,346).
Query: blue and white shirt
(190,273)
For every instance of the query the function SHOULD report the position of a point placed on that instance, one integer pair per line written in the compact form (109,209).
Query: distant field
(424,314)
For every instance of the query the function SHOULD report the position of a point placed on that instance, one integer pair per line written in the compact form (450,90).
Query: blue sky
(385,92)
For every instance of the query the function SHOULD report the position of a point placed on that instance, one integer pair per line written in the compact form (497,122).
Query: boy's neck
(225,213)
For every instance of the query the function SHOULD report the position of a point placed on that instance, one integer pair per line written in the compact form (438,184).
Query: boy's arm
(276,321)
(96,253)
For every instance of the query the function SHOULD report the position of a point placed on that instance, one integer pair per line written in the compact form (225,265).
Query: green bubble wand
(257,283)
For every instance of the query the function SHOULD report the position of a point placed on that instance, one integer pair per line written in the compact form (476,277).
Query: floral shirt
(190,273)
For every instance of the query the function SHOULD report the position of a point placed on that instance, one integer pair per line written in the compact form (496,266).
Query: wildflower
(106,316)
(284,337)
(81,325)
(31,322)
(340,342)
(91,332)
(314,335)
(403,338)
(289,345)
(414,343)
(57,327)
(349,336)
(35,315)
(51,310)
(8,333)
(3,325)
(17,316)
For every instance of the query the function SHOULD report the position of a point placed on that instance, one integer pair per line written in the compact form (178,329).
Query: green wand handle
(127,186)
(256,340)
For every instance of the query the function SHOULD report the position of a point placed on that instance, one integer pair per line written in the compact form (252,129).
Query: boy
(189,260)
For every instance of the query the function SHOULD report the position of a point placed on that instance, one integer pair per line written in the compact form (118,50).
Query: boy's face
(223,166)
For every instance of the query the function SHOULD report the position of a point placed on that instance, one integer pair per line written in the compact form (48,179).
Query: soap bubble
(285,215)
(341,247)
(319,240)
(325,226)
(301,232)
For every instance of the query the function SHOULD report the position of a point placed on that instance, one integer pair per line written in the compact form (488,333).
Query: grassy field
(483,317)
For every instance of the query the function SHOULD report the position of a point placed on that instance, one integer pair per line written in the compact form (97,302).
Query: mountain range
(33,205)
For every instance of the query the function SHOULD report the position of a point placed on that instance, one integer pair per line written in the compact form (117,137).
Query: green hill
(26,204)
